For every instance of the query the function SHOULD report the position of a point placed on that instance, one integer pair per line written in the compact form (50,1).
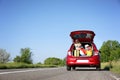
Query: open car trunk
(83,35)
(86,38)
(77,53)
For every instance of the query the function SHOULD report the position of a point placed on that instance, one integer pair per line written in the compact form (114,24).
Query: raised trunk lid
(83,35)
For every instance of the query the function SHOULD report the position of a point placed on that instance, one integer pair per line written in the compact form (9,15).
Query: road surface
(56,74)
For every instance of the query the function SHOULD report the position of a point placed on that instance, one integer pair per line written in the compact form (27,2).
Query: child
(77,44)
(88,49)
(78,49)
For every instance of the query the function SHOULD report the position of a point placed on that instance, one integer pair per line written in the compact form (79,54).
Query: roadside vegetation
(110,56)
(14,65)
(17,65)
(24,60)
(115,66)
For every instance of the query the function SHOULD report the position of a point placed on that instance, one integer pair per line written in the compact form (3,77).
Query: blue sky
(45,25)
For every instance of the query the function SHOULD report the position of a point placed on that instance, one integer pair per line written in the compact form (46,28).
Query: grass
(105,66)
(24,65)
(115,66)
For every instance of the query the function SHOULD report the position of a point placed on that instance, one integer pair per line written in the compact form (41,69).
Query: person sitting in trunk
(79,50)
(77,44)
(88,49)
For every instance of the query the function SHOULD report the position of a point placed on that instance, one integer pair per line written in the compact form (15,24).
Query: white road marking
(27,70)
(115,77)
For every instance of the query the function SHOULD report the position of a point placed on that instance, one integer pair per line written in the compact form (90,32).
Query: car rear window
(82,35)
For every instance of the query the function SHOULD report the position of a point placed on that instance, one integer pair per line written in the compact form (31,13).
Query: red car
(85,37)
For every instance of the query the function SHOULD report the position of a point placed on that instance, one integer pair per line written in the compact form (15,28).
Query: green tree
(4,56)
(25,57)
(17,59)
(115,54)
(64,61)
(110,50)
(53,61)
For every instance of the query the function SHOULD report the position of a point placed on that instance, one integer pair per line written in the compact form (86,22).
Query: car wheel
(98,68)
(68,68)
(73,68)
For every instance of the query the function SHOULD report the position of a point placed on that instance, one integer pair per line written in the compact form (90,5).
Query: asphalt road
(56,74)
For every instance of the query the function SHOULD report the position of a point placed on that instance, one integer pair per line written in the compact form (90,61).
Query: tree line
(26,57)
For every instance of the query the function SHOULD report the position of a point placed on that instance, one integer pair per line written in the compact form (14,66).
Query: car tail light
(69,53)
(96,53)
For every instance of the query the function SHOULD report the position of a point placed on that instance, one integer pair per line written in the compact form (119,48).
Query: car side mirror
(99,51)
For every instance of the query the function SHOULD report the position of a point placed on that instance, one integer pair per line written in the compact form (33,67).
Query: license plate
(83,61)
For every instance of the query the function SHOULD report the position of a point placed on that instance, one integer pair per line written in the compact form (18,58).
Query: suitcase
(76,53)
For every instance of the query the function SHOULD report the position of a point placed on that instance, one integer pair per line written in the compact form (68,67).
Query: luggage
(76,53)
(89,52)
(82,52)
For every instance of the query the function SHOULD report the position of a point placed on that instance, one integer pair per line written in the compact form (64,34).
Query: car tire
(68,68)
(73,68)
(98,68)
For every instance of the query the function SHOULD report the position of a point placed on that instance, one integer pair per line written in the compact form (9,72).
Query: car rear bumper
(84,61)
